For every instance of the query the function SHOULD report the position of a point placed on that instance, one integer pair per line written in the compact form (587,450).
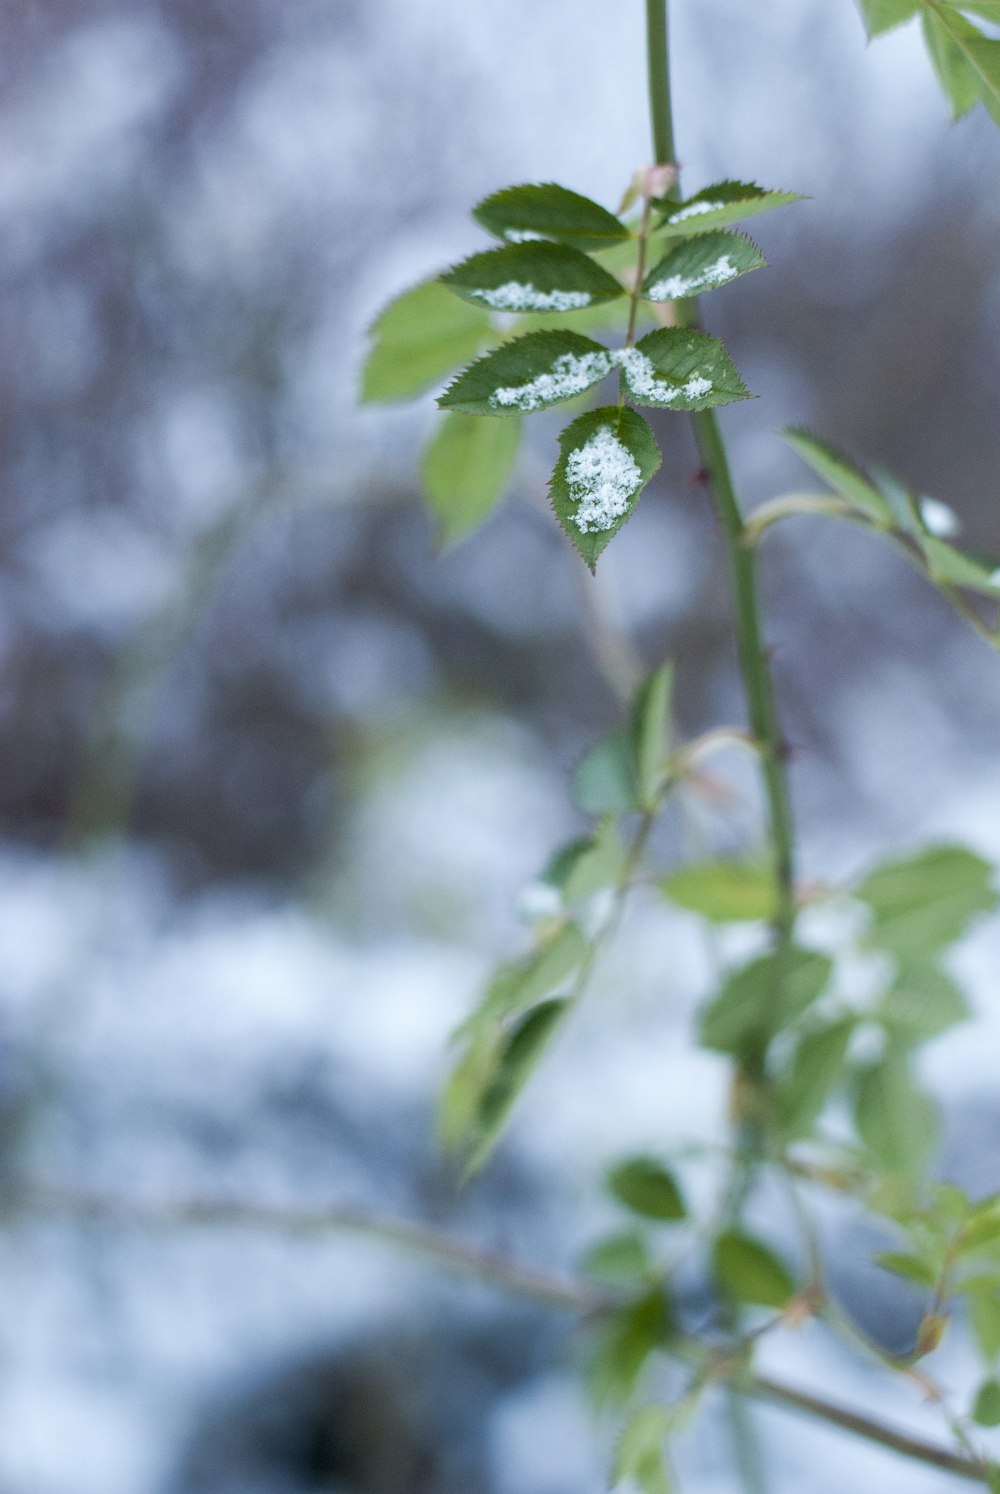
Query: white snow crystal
(522,235)
(673,287)
(994,578)
(601,476)
(940,520)
(570,374)
(694,210)
(516,296)
(645,383)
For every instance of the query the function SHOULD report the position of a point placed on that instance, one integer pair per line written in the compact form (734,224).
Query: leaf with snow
(547,211)
(529,373)
(718,206)
(701,264)
(466,468)
(843,475)
(606,459)
(677,368)
(418,339)
(883,15)
(533,277)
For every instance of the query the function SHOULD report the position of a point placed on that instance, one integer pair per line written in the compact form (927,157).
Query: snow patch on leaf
(602,475)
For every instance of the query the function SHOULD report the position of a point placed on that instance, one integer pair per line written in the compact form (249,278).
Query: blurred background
(273,770)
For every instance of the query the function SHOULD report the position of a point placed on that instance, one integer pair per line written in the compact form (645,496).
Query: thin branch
(489,1266)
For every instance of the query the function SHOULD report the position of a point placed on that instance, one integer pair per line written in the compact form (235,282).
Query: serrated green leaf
(533,277)
(517,1060)
(984,1317)
(986,1407)
(605,780)
(724,891)
(841,473)
(701,264)
(950,567)
(418,340)
(895,1120)
(921,1003)
(956,76)
(650,727)
(529,373)
(646,1187)
(883,15)
(745,1012)
(466,469)
(547,211)
(719,205)
(677,368)
(920,904)
(980,53)
(911,1267)
(747,1270)
(628,1340)
(816,1064)
(621,1257)
(606,458)
(587,865)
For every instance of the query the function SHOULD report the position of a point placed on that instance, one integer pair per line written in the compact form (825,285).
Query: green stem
(754,660)
(658,66)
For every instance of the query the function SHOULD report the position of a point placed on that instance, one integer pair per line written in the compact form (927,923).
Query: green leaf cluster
(967,62)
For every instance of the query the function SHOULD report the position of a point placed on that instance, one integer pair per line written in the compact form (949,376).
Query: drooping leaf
(627,1342)
(701,264)
(459,1102)
(650,727)
(677,368)
(746,1270)
(910,1267)
(724,891)
(803,1090)
(646,1187)
(529,373)
(957,77)
(466,469)
(606,458)
(895,1120)
(719,205)
(841,473)
(986,1407)
(520,1054)
(921,1003)
(988,9)
(587,865)
(621,1257)
(883,15)
(746,1011)
(547,211)
(418,340)
(920,904)
(605,780)
(533,277)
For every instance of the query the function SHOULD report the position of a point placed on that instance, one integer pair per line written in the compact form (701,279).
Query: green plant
(528,313)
